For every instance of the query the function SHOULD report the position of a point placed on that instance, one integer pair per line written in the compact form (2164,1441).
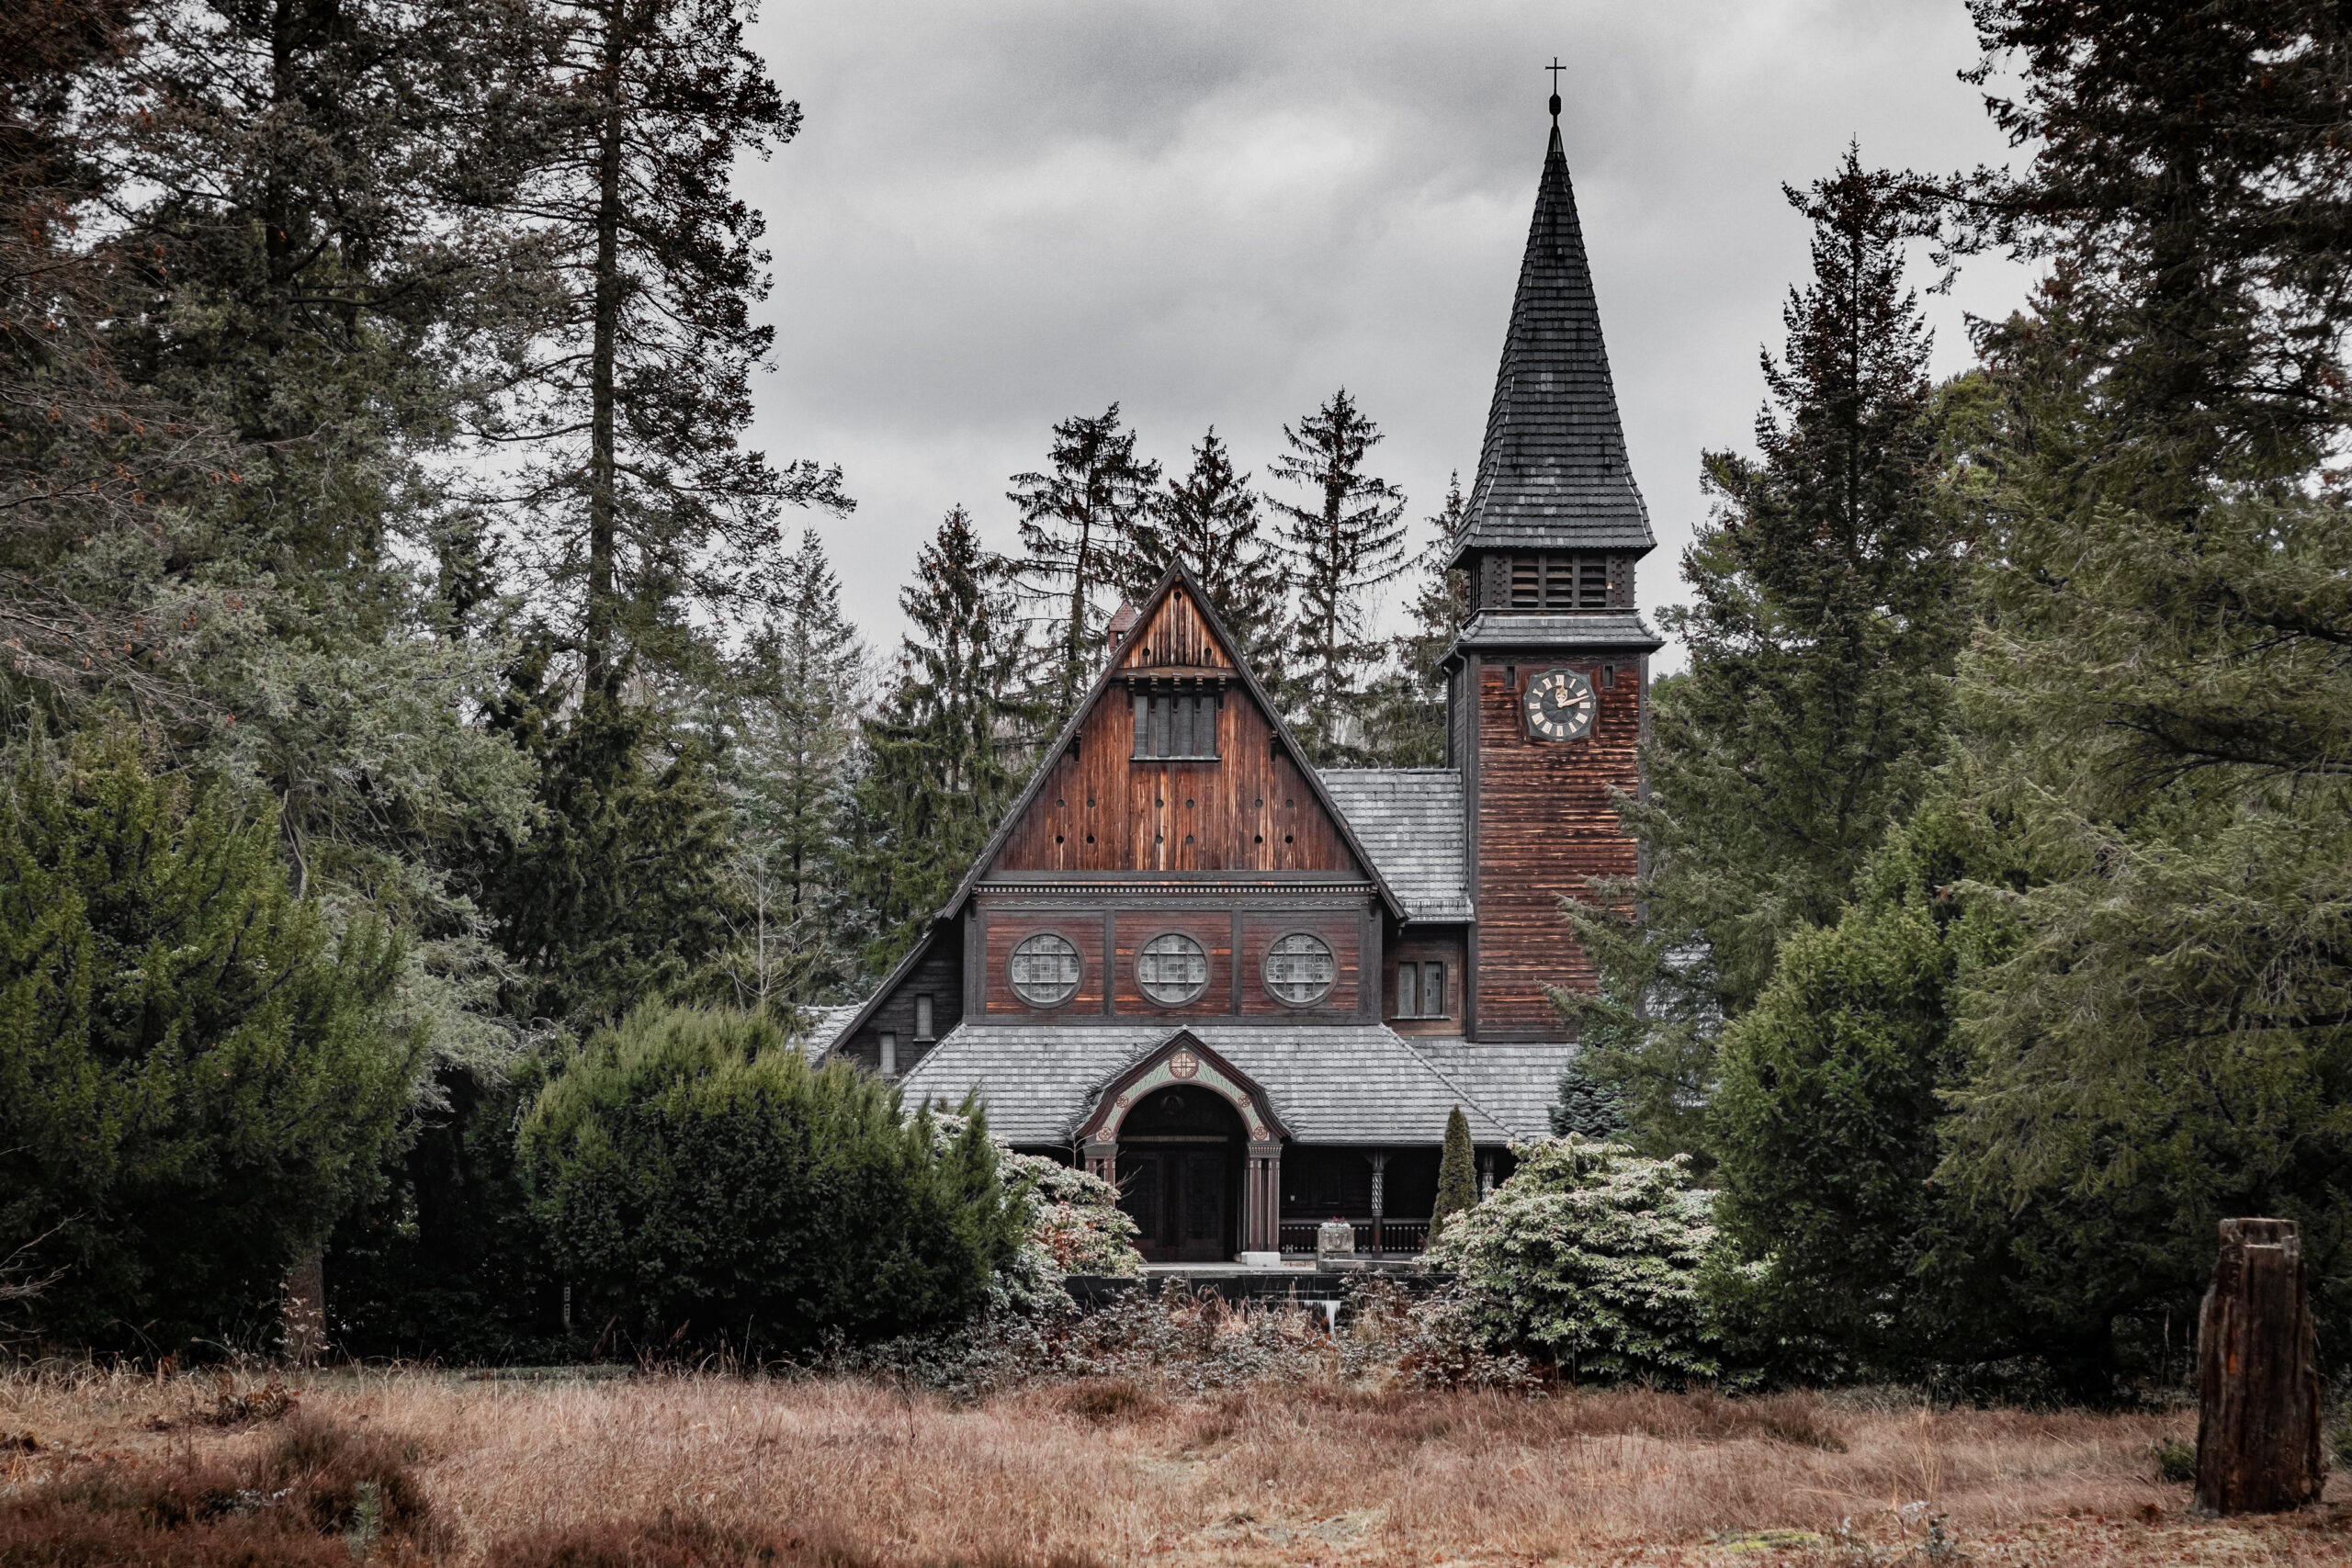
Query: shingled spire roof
(1553,474)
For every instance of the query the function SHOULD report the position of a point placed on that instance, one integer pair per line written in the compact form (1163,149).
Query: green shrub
(1457,1178)
(2176,1460)
(705,1188)
(197,1076)
(1588,1258)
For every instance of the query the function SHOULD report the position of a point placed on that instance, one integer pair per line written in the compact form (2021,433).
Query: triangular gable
(1182,1058)
(1177,635)
(1152,635)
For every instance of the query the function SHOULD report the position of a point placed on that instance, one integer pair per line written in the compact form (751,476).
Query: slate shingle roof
(1409,821)
(1328,1083)
(1517,1083)
(1553,473)
(825,1026)
(1619,630)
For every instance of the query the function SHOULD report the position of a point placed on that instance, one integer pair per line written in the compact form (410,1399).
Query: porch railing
(1382,1238)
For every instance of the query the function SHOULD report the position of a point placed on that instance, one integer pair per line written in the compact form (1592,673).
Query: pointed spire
(1553,474)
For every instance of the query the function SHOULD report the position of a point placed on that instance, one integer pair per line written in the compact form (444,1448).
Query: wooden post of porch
(1262,1199)
(1103,1158)
(1379,1184)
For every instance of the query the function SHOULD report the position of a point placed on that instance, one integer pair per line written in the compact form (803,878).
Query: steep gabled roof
(1553,473)
(1114,668)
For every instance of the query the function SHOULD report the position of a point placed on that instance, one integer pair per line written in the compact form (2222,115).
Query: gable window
(1045,970)
(1172,969)
(1300,969)
(1420,991)
(1171,725)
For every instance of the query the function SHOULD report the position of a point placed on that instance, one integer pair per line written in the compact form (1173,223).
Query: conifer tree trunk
(604,356)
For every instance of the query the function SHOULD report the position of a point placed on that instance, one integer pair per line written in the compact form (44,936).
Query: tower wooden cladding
(1550,680)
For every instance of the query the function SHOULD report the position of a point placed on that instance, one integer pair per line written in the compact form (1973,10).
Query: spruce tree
(1586,1107)
(941,765)
(2158,706)
(1407,727)
(1457,1173)
(1344,538)
(2191,181)
(1086,527)
(803,684)
(1207,521)
(641,506)
(1822,634)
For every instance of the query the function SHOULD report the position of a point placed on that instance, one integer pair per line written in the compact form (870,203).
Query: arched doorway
(1179,1173)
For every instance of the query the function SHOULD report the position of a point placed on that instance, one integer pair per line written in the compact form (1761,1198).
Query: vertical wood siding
(1545,824)
(1250,810)
(1084,930)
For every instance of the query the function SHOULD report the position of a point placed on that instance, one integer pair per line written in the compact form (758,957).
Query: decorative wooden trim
(1234,965)
(1110,963)
(1150,1073)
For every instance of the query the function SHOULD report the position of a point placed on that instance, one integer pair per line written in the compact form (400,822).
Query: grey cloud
(999,215)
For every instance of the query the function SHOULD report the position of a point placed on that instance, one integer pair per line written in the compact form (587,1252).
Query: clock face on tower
(1559,706)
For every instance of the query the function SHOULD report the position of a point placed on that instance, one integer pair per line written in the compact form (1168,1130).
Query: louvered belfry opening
(1560,582)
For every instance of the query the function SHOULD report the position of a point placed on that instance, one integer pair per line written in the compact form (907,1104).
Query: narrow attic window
(1176,727)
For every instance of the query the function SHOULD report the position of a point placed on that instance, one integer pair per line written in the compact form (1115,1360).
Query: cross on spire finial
(1556,68)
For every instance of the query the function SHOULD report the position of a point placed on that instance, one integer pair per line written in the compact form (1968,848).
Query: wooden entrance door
(1180,1198)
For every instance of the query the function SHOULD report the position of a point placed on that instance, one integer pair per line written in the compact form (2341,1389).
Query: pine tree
(1207,521)
(1457,1174)
(640,505)
(940,761)
(1406,727)
(803,685)
(1085,527)
(1343,542)
(1822,634)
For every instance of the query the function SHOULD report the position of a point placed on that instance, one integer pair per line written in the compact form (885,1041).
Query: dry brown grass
(656,1472)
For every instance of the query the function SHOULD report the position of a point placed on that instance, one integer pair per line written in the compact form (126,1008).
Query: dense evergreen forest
(408,671)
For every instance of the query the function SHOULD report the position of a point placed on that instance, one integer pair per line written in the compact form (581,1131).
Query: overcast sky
(1001,214)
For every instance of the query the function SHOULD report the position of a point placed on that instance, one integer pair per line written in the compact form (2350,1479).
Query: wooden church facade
(1251,992)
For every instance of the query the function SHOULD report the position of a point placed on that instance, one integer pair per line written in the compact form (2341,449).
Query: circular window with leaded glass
(1300,969)
(1172,969)
(1045,970)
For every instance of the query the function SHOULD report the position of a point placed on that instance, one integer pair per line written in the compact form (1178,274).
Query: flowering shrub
(1075,1217)
(1590,1258)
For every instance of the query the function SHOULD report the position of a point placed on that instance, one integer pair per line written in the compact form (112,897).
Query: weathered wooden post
(2257,1423)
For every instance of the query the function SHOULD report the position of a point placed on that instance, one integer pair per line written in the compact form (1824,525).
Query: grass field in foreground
(664,1471)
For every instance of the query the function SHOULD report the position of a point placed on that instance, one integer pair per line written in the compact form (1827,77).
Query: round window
(1045,970)
(1300,969)
(1172,969)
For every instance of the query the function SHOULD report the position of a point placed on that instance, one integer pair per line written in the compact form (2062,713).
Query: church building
(1251,992)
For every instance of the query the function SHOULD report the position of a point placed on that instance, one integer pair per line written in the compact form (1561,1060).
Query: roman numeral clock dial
(1559,706)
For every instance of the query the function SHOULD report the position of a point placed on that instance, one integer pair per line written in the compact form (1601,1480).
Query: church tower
(1549,690)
